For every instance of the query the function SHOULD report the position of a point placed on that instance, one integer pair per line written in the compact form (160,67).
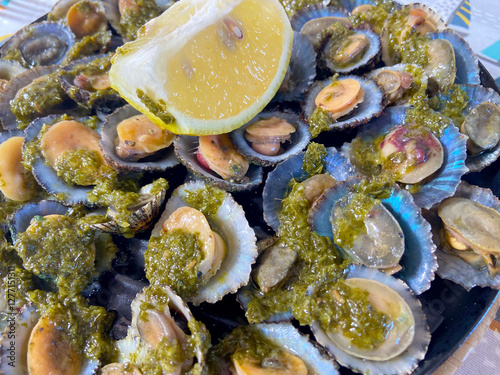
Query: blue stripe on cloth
(493,51)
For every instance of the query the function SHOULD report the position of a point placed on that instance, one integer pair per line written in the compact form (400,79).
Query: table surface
(474,20)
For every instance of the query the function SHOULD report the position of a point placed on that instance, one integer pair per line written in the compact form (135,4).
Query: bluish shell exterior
(185,149)
(20,220)
(465,58)
(10,133)
(418,260)
(407,361)
(365,111)
(445,181)
(312,12)
(298,142)
(60,30)
(301,70)
(452,267)
(276,187)
(47,177)
(369,57)
(107,143)
(477,95)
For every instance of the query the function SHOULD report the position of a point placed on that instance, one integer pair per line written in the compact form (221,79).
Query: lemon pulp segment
(214,67)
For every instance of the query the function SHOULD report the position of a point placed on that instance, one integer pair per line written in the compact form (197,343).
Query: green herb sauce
(451,103)
(351,224)
(88,46)
(173,259)
(136,16)
(207,200)
(58,249)
(314,159)
(87,326)
(159,109)
(319,122)
(244,342)
(37,99)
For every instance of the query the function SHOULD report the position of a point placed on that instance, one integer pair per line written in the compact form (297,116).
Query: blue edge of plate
(453,313)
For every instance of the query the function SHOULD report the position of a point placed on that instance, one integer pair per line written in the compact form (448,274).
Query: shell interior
(418,260)
(369,56)
(285,335)
(240,243)
(107,143)
(465,59)
(297,143)
(186,147)
(452,267)
(446,179)
(404,363)
(47,177)
(368,109)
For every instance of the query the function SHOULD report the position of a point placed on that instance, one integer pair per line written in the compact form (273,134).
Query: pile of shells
(345,194)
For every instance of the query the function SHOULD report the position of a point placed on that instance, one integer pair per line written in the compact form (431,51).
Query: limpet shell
(418,259)
(48,42)
(47,177)
(186,147)
(404,363)
(239,238)
(445,181)
(365,111)
(452,267)
(276,186)
(166,158)
(297,143)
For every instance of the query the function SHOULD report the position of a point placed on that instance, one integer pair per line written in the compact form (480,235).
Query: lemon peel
(205,67)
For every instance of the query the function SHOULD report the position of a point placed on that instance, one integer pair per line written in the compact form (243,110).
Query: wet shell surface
(312,20)
(445,181)
(479,94)
(277,188)
(299,139)
(83,93)
(301,70)
(239,239)
(47,177)
(144,212)
(368,59)
(452,267)
(365,111)
(40,44)
(403,363)
(419,259)
(186,147)
(164,160)
(7,118)
(395,87)
(465,59)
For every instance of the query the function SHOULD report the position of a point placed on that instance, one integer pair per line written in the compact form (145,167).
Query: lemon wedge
(205,66)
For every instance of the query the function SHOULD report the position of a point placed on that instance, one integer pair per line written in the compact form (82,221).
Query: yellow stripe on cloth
(465,19)
(465,9)
(4,37)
